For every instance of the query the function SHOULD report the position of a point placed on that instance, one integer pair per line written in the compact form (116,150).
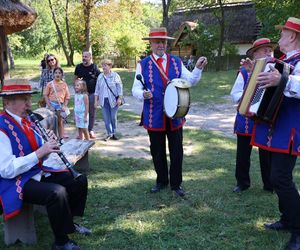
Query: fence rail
(227,62)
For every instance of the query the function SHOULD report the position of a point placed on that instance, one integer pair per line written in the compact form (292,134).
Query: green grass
(124,215)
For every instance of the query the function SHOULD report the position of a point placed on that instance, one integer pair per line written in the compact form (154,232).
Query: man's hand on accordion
(268,79)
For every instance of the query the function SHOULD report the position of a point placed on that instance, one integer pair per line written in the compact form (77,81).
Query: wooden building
(241,25)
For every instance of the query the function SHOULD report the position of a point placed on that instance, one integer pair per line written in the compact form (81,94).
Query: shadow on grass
(124,215)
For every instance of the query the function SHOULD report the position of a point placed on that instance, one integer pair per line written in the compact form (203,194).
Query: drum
(176,101)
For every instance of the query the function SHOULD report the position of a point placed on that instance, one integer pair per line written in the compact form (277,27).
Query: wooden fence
(227,62)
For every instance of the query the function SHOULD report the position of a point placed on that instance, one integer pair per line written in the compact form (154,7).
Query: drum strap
(160,69)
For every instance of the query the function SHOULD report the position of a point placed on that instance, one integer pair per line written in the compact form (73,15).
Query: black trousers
(289,199)
(159,156)
(243,163)
(63,197)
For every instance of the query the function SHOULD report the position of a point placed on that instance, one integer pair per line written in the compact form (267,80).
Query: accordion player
(264,103)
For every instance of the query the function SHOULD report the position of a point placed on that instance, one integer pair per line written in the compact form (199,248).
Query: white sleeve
(237,89)
(292,88)
(192,77)
(12,166)
(97,88)
(137,87)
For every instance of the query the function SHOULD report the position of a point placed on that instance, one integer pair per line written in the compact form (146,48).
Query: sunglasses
(50,60)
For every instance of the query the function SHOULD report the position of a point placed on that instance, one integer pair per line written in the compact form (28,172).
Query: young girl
(81,109)
(57,96)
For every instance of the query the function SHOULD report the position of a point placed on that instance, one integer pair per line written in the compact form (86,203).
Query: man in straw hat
(155,72)
(283,138)
(243,126)
(24,178)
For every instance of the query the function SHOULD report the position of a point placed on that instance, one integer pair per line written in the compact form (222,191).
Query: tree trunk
(10,55)
(221,20)
(87,7)
(60,36)
(69,34)
(166,5)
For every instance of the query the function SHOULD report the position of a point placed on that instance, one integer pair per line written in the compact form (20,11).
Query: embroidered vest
(154,118)
(11,195)
(286,129)
(243,125)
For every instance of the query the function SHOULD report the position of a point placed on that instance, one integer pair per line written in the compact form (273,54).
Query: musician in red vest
(24,178)
(156,71)
(282,138)
(243,126)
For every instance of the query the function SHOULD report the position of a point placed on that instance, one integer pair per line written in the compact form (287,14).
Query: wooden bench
(21,227)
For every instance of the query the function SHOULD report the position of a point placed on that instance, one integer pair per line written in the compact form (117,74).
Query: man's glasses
(50,60)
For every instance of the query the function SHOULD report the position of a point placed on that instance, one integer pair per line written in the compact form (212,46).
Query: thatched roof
(15,16)
(180,33)
(241,25)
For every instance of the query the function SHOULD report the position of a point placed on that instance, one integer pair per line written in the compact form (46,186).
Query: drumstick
(139,77)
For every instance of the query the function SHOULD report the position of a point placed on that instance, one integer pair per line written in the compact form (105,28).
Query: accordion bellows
(263,104)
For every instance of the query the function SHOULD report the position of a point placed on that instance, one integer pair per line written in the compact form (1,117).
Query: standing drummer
(156,70)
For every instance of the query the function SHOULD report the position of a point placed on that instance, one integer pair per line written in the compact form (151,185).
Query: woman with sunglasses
(47,74)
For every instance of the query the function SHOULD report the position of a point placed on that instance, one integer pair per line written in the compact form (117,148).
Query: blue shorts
(56,105)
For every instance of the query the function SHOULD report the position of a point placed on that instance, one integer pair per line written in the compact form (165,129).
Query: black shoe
(238,189)
(82,230)
(157,188)
(294,243)
(276,226)
(70,245)
(114,137)
(179,191)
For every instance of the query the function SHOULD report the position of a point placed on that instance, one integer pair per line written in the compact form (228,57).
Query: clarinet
(44,134)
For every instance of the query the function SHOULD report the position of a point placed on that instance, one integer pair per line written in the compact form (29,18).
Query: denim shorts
(56,105)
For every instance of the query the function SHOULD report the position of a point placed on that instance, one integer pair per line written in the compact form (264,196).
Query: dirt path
(134,141)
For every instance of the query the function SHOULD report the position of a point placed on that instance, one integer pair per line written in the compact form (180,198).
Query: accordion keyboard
(257,98)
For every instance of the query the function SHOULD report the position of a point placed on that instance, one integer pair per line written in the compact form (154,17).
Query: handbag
(116,96)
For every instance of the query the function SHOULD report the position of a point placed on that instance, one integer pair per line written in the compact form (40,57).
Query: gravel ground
(133,140)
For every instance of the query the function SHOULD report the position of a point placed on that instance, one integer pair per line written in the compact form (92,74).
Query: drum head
(181,83)
(171,101)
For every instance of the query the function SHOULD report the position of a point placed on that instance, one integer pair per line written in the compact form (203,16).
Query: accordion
(264,103)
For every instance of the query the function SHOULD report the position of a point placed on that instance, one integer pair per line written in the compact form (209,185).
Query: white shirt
(293,85)
(12,166)
(192,77)
(237,89)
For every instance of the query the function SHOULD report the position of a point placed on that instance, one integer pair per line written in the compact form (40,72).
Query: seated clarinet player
(24,178)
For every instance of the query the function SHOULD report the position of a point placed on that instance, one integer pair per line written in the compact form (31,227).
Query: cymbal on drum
(180,83)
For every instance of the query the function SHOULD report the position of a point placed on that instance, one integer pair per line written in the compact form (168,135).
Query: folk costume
(243,127)
(24,178)
(282,139)
(156,71)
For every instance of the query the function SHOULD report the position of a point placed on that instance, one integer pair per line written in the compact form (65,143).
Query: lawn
(124,215)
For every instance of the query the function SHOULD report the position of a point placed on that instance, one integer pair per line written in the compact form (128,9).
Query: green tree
(39,38)
(270,14)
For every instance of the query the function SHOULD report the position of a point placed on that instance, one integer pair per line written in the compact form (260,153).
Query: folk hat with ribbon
(158,33)
(262,42)
(292,23)
(16,87)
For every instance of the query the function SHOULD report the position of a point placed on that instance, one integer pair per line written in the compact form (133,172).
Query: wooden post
(3,56)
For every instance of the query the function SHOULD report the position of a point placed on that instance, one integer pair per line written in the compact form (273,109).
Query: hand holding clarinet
(51,145)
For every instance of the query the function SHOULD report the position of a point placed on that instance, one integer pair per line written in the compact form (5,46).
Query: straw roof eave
(15,16)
